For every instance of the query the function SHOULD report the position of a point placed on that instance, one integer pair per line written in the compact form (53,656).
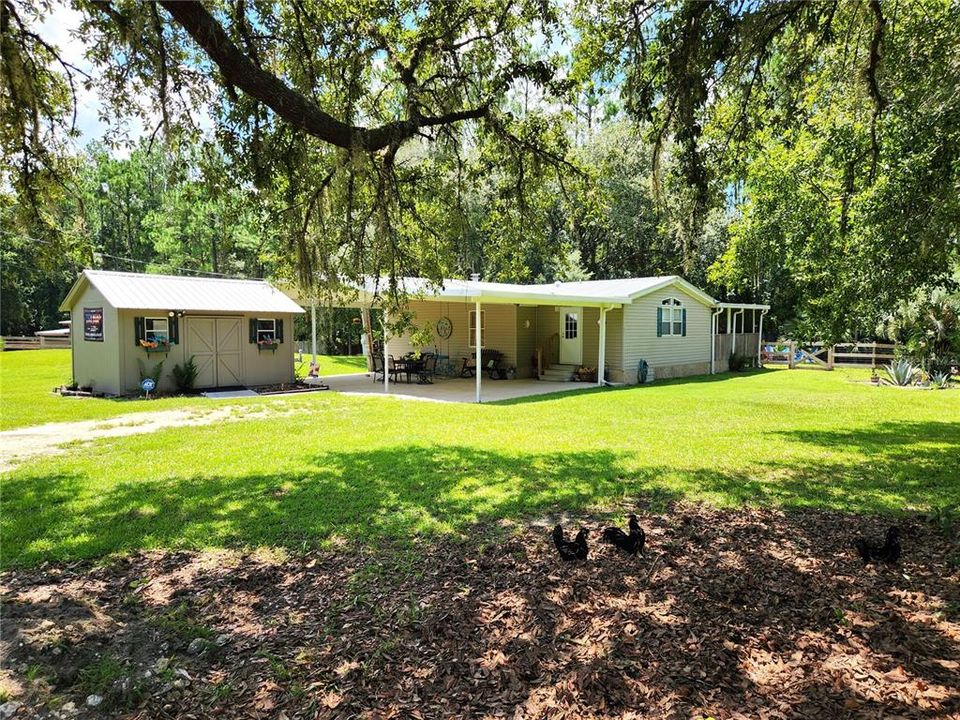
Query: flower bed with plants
(287,388)
(903,373)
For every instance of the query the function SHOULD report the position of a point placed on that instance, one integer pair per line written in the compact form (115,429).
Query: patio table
(406,366)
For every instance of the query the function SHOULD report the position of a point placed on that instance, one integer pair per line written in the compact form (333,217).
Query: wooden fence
(796,354)
(14,342)
(746,344)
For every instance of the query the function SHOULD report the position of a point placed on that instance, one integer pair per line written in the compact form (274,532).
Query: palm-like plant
(928,328)
(941,381)
(900,372)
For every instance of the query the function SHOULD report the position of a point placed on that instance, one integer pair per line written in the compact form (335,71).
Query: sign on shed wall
(93,324)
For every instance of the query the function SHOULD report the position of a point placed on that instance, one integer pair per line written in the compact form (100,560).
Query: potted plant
(874,378)
(585,374)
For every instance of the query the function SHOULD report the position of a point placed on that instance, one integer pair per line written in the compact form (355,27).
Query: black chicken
(631,543)
(888,552)
(570,551)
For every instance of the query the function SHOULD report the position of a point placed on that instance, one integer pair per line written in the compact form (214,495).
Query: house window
(671,317)
(156,330)
(473,328)
(570,326)
(266,330)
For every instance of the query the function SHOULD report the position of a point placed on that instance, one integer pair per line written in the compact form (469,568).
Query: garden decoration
(444,328)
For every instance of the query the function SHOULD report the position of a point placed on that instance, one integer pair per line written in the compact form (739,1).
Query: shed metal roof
(141,291)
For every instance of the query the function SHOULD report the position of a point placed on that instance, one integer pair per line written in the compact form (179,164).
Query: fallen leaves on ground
(731,614)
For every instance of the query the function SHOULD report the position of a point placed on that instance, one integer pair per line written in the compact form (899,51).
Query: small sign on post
(147,385)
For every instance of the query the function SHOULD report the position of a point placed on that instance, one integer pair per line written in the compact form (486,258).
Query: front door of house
(215,344)
(571,335)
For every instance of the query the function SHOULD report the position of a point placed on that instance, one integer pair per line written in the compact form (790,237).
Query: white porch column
(714,331)
(313,330)
(476,342)
(602,354)
(760,339)
(733,351)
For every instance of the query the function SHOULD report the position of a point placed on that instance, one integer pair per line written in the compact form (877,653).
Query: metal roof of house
(141,291)
(595,292)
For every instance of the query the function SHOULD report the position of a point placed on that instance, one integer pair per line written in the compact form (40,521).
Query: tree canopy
(802,154)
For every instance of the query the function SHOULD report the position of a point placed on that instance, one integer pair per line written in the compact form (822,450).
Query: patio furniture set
(425,367)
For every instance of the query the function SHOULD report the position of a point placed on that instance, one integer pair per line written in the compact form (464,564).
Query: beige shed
(239,332)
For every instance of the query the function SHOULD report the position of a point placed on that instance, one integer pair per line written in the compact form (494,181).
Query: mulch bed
(287,388)
(731,614)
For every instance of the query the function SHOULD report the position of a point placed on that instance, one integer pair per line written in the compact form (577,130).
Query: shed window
(266,330)
(157,330)
(672,318)
(473,328)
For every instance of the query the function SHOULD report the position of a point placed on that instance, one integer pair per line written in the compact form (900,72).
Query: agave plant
(941,381)
(901,372)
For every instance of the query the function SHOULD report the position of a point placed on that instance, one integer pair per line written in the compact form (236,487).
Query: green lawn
(372,467)
(338,364)
(27,378)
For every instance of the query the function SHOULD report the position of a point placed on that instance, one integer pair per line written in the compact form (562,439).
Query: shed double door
(215,344)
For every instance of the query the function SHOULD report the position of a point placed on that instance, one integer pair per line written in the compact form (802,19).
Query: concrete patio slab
(228,394)
(453,390)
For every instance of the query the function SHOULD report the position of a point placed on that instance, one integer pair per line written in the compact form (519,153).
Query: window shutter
(684,315)
(139,330)
(175,330)
(279,337)
(659,322)
(253,330)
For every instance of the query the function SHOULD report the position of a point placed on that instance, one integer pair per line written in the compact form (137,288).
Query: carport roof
(142,291)
(596,292)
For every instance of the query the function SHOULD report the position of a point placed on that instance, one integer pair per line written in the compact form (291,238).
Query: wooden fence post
(792,346)
(830,358)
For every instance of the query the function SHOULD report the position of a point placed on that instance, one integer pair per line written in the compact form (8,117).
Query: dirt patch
(50,439)
(731,614)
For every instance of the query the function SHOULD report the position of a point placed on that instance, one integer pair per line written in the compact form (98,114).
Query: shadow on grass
(399,492)
(691,380)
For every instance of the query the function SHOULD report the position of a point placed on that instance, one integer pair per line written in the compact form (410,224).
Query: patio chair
(396,372)
(378,368)
(490,360)
(427,370)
